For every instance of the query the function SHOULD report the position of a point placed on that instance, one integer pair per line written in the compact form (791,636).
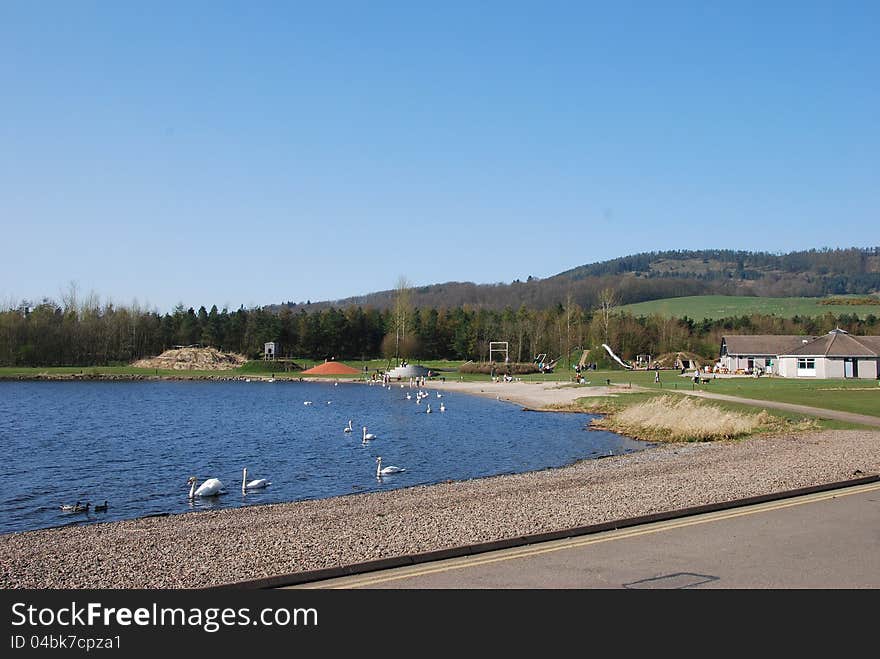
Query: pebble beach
(214,548)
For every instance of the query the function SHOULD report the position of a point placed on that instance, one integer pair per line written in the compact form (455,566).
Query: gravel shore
(211,548)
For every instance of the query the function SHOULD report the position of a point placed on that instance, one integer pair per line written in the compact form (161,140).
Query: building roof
(838,343)
(763,345)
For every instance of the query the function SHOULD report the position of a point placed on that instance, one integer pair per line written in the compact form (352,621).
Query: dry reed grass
(684,419)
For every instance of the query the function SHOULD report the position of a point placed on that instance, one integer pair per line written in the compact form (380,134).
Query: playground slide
(615,357)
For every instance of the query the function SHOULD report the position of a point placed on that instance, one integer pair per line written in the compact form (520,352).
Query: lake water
(135,444)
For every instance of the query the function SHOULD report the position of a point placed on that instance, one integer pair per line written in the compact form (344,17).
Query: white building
(837,354)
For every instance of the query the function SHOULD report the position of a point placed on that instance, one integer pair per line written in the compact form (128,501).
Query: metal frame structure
(492,349)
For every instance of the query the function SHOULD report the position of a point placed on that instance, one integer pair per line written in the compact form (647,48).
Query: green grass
(713,307)
(255,367)
(857,396)
(784,419)
(30,372)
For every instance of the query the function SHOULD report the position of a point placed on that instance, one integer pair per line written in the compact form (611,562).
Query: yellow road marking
(572,543)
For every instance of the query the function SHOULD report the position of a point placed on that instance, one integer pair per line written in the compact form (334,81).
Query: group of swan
(214,486)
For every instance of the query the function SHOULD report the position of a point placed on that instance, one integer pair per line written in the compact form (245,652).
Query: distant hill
(656,276)
(713,307)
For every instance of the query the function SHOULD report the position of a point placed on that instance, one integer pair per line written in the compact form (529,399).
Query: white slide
(616,358)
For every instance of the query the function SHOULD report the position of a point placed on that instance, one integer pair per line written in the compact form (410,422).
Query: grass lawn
(255,367)
(611,404)
(698,307)
(857,396)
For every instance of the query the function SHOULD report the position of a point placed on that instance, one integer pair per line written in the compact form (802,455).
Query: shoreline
(213,548)
(538,396)
(219,547)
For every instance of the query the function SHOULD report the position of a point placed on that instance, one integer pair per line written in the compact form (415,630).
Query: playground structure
(616,358)
(499,347)
(545,366)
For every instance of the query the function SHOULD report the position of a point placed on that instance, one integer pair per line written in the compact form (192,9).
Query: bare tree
(608,301)
(402,296)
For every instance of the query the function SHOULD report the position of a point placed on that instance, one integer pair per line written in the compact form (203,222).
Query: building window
(806,367)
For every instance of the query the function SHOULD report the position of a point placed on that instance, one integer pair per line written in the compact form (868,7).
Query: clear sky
(253,153)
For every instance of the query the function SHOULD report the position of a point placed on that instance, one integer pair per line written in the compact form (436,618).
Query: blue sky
(252,153)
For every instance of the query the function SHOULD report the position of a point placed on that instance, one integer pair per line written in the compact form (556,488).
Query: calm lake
(135,444)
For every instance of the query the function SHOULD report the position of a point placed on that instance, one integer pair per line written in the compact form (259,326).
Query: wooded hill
(654,276)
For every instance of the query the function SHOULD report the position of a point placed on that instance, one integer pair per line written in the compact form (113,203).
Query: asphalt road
(822,540)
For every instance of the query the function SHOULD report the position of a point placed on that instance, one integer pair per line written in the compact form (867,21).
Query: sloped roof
(763,344)
(840,344)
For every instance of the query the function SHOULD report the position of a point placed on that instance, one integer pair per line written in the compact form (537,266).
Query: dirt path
(850,417)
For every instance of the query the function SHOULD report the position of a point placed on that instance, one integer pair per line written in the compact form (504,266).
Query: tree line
(654,276)
(89,333)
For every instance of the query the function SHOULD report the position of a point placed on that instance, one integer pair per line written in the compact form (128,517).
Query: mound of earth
(193,359)
(331,368)
(681,359)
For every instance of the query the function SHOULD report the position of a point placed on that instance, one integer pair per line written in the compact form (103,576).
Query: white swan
(348,428)
(390,469)
(209,488)
(254,484)
(408,397)
(439,395)
(307,402)
(428,411)
(442,407)
(368,435)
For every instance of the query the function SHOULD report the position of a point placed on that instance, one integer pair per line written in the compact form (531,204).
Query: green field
(857,396)
(712,307)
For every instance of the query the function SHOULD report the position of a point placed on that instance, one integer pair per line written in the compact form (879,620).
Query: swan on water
(254,484)
(209,488)
(368,435)
(439,395)
(442,407)
(390,469)
(428,411)
(348,428)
